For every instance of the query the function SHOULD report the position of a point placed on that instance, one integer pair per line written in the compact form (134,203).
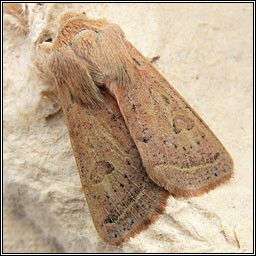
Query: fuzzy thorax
(88,54)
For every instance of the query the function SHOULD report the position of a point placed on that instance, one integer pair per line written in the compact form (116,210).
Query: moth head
(40,55)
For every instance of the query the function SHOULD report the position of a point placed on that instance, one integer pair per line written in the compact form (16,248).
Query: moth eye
(48,40)
(45,37)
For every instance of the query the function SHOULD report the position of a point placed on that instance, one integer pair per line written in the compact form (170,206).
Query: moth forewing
(121,197)
(177,148)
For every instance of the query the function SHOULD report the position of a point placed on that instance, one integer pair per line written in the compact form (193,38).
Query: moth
(135,139)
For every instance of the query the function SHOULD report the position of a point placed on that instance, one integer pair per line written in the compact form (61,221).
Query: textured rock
(205,53)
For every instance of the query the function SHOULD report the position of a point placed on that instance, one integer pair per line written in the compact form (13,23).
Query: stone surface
(205,53)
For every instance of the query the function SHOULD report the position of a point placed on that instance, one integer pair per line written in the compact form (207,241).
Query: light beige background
(206,53)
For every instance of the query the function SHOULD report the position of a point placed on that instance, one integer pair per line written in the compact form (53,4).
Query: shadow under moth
(135,139)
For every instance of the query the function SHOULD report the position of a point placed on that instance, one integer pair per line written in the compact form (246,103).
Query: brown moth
(134,137)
